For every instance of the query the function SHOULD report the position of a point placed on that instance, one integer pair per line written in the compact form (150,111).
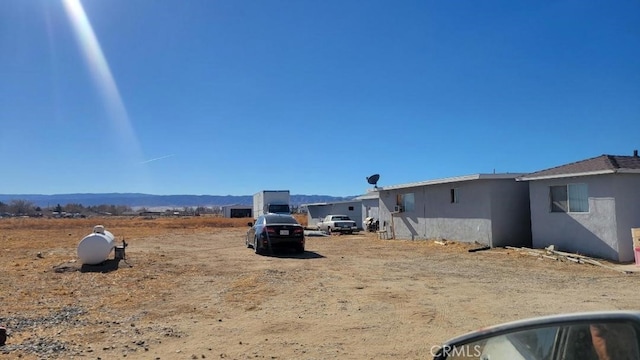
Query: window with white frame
(569,198)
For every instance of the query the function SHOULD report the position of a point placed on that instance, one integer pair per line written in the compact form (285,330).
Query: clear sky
(232,97)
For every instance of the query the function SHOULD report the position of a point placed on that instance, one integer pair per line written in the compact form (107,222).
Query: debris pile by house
(552,254)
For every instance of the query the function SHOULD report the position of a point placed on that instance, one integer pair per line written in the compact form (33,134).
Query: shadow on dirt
(290,254)
(104,267)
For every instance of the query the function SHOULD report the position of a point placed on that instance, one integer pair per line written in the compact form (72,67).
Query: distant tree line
(27,208)
(186,210)
(19,208)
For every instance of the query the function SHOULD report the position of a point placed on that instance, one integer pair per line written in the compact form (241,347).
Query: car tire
(246,242)
(329,230)
(300,249)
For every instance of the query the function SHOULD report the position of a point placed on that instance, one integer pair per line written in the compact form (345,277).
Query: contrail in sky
(156,159)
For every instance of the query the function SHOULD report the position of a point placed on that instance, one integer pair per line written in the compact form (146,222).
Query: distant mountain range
(147,200)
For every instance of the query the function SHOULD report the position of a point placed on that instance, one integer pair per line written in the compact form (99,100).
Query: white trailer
(271,201)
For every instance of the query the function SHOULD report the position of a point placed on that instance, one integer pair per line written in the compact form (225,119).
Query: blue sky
(231,97)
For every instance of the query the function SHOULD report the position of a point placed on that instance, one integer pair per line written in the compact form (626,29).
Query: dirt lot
(192,290)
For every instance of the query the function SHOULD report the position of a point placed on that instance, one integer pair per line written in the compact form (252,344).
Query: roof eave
(629,171)
(454,179)
(315,204)
(332,203)
(568,175)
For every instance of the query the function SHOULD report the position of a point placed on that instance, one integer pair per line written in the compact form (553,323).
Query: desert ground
(190,289)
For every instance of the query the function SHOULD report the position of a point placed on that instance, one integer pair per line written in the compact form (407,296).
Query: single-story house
(237,211)
(490,209)
(317,212)
(587,207)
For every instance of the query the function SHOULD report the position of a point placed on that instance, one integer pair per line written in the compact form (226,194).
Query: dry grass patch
(34,248)
(249,291)
(35,230)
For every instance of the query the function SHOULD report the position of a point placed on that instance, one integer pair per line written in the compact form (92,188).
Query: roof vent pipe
(635,153)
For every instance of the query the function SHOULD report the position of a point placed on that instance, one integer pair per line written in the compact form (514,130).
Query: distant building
(152,213)
(317,212)
(237,211)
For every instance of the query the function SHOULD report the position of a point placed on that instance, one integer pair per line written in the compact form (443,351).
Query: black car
(275,231)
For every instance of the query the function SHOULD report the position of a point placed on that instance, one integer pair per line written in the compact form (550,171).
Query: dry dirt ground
(193,291)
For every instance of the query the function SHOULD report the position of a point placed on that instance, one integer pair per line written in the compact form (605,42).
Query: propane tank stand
(119,253)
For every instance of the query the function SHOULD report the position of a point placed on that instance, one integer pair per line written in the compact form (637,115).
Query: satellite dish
(373,180)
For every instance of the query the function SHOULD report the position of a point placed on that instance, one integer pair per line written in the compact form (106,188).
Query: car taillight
(269,230)
(298,231)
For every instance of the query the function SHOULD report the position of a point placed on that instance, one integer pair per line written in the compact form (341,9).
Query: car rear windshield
(341,218)
(275,219)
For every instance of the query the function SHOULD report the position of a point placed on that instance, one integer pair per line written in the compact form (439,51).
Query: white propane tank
(96,247)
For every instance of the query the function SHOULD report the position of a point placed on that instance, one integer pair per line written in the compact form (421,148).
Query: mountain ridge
(149,200)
